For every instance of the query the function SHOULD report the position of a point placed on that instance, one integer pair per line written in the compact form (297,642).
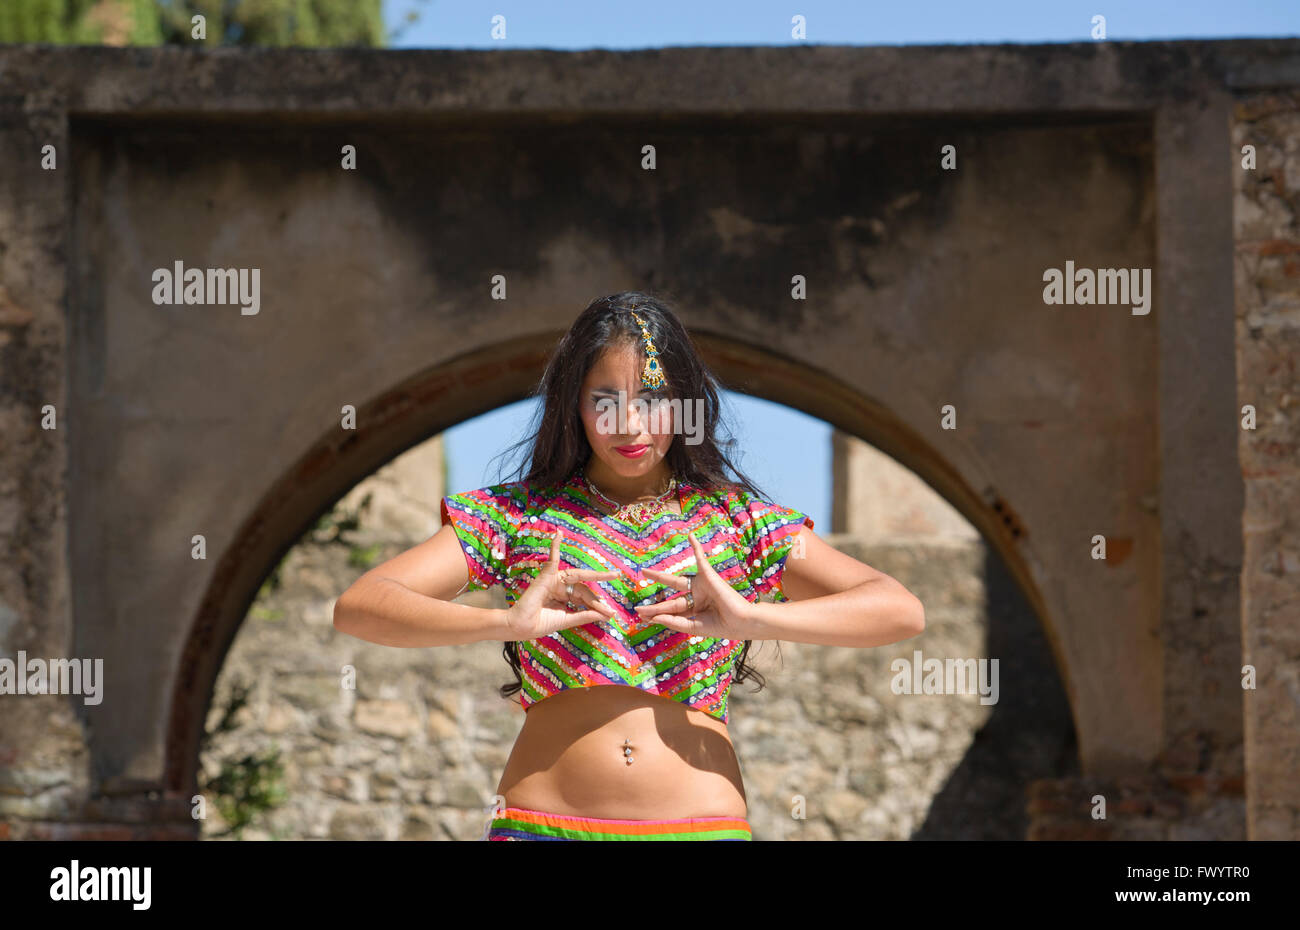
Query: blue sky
(794,472)
(801,481)
(578,24)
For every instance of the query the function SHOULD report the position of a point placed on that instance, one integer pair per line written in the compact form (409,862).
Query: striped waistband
(520,823)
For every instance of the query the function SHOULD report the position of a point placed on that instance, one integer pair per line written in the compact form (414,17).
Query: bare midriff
(569,758)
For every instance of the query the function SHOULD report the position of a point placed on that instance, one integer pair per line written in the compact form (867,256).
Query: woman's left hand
(719,610)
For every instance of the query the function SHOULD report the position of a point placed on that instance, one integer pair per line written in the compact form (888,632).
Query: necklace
(637,512)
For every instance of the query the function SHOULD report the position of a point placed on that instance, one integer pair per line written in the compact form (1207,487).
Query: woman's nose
(635,419)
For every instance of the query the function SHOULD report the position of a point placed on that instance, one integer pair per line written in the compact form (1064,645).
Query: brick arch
(483,380)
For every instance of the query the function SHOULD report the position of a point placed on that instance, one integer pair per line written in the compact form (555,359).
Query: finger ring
(568,592)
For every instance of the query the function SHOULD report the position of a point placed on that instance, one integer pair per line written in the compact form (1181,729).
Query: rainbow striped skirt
(520,823)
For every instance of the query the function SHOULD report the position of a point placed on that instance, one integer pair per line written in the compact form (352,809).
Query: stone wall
(1267,266)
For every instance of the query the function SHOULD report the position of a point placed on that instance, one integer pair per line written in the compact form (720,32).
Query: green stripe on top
(747,541)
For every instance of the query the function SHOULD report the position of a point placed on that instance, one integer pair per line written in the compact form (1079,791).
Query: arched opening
(473,384)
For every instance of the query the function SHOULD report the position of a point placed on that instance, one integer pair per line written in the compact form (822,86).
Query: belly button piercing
(627,751)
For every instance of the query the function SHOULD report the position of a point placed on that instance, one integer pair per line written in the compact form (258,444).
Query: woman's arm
(835,600)
(406,601)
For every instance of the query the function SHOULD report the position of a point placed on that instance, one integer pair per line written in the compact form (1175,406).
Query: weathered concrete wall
(924,291)
(388,284)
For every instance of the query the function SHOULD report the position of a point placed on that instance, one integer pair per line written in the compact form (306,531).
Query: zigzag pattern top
(506,531)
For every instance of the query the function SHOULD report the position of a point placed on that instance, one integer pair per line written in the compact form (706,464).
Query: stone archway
(483,380)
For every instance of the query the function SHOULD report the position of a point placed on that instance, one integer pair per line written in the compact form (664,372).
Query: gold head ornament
(652,374)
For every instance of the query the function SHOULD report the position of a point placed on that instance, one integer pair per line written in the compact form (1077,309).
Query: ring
(568,592)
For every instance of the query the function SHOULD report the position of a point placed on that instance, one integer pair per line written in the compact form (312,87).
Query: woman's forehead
(614,366)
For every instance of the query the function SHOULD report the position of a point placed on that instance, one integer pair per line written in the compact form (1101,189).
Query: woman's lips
(631,452)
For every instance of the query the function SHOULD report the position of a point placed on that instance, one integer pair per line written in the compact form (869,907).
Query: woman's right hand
(542,609)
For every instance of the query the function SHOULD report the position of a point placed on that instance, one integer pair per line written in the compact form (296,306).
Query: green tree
(314,23)
(60,21)
(323,23)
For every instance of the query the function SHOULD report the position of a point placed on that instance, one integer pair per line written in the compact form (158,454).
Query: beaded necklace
(637,512)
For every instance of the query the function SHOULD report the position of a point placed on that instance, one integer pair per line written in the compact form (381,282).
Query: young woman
(638,573)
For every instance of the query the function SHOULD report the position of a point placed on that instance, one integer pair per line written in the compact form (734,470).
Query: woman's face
(644,429)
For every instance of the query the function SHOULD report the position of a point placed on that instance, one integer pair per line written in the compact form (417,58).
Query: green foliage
(146,26)
(336,523)
(271,584)
(55,21)
(245,787)
(304,23)
(258,612)
(313,23)
(335,527)
(363,556)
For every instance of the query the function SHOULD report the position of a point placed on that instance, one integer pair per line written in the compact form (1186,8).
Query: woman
(635,570)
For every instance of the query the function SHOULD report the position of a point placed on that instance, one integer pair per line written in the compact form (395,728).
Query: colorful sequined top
(506,532)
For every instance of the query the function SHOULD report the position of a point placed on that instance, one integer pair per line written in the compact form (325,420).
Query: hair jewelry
(652,376)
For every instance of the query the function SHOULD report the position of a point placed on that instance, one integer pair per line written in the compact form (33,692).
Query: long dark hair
(557,443)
